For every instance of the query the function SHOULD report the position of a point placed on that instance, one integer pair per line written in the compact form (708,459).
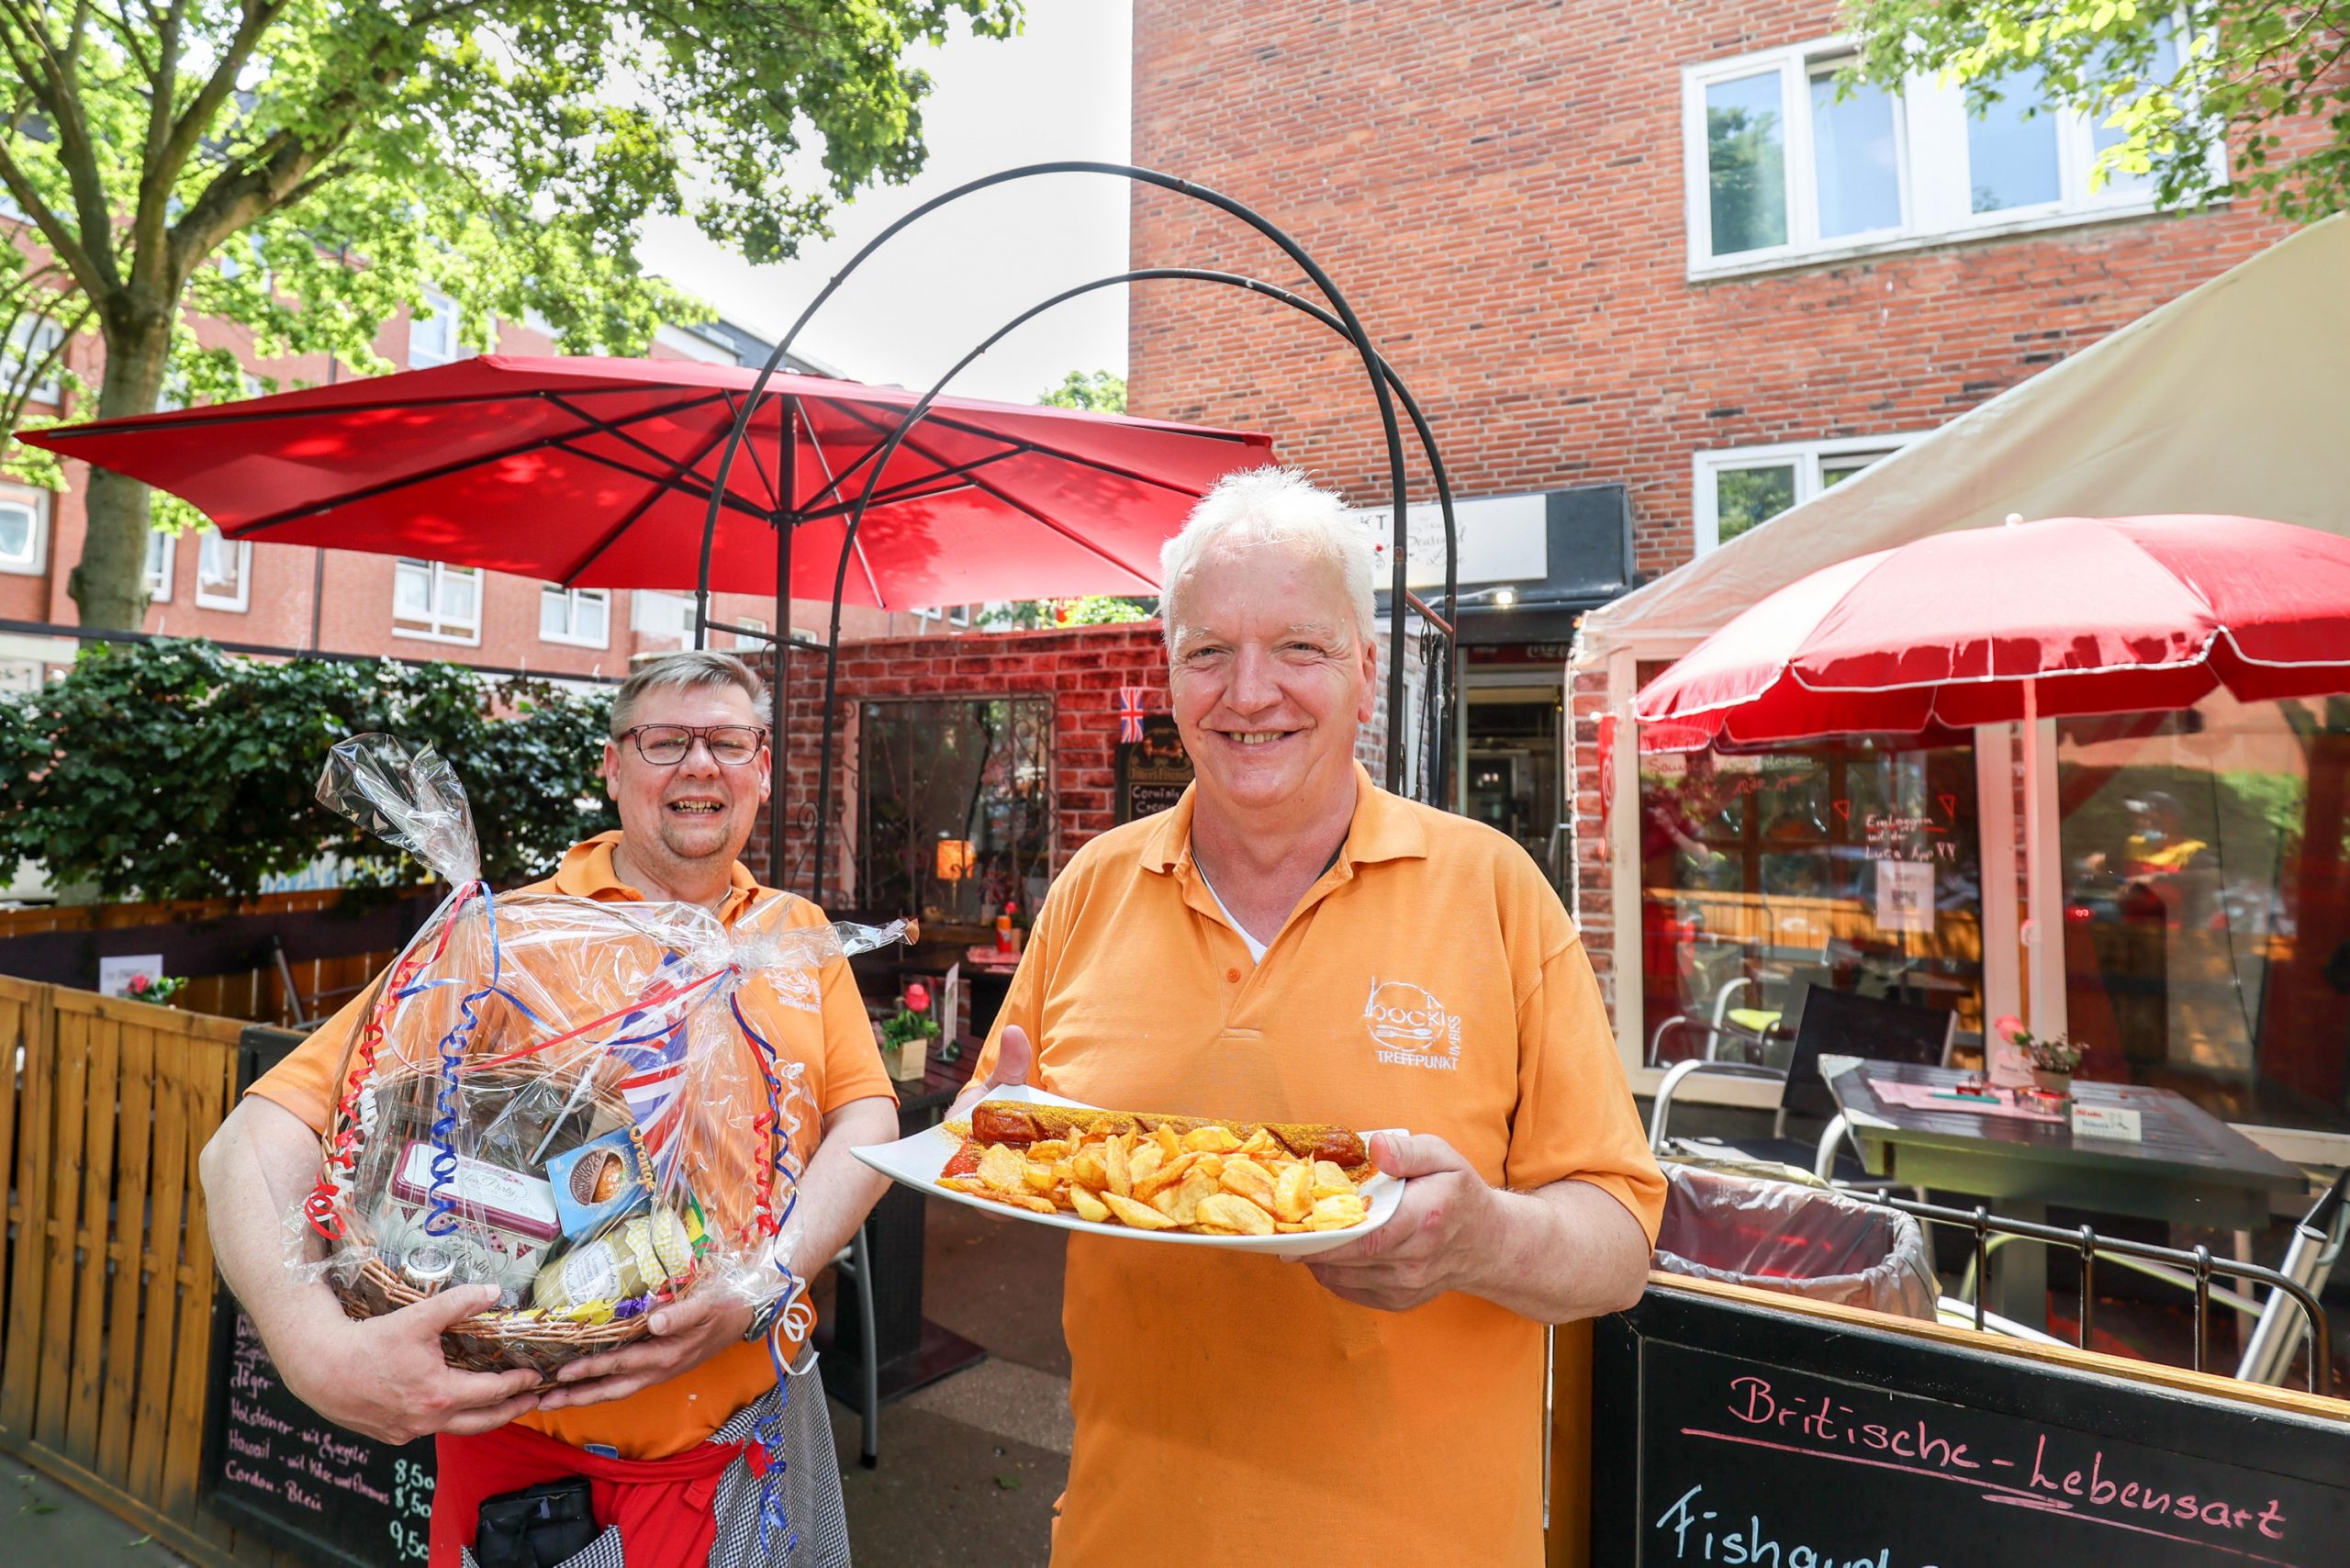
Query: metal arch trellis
(1438,712)
(1340,317)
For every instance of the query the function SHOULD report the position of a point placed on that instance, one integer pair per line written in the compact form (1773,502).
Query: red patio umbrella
(2067,616)
(597,473)
(2071,615)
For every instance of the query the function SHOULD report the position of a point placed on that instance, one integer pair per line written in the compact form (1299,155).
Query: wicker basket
(492,1341)
(506,1339)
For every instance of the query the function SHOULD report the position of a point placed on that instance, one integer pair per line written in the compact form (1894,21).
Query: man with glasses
(689,768)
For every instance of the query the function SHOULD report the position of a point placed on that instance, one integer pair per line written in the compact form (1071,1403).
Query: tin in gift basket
(564,1098)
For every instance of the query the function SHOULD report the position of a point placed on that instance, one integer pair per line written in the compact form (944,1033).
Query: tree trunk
(110,585)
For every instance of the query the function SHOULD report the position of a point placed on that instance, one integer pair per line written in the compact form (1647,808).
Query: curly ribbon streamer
(442,1219)
(322,1206)
(767,1461)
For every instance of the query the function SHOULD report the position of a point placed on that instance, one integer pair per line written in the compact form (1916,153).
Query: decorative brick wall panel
(1081,668)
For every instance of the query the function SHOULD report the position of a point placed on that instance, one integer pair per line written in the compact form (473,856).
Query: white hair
(1272,506)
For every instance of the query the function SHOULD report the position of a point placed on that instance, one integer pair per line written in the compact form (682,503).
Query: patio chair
(1732,1033)
(854,1265)
(1831,1023)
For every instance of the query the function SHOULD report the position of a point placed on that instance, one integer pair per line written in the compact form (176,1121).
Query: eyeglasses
(665,745)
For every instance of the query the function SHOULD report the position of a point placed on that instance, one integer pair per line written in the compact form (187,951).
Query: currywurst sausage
(1018,1124)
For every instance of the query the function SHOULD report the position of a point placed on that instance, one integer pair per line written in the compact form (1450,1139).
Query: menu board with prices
(276,1467)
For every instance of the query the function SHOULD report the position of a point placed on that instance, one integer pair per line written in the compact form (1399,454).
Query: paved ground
(970,1466)
(44,1522)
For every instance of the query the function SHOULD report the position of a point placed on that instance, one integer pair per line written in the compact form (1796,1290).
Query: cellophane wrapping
(574,1100)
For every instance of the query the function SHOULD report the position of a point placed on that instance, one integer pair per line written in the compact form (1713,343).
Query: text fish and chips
(1153,1172)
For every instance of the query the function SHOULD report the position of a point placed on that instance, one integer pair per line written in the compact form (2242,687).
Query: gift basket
(564,1098)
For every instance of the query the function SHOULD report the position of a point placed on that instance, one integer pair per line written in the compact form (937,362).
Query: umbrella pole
(786,520)
(2043,928)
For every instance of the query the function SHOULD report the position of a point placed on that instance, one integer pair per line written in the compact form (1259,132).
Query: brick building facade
(1547,221)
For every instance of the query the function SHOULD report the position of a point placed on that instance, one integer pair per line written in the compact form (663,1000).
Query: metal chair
(1728,1037)
(1832,1022)
(854,1265)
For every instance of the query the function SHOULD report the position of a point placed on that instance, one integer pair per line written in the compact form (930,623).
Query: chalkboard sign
(1152,771)
(1737,1434)
(277,1468)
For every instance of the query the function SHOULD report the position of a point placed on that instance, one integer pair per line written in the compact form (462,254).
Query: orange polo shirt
(1226,1405)
(823,1029)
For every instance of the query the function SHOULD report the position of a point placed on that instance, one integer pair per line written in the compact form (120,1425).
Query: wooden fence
(322,980)
(107,1282)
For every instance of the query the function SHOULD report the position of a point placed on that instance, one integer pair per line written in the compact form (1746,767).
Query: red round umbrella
(2071,615)
(597,473)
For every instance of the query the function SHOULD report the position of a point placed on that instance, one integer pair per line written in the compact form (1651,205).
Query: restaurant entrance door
(1513,762)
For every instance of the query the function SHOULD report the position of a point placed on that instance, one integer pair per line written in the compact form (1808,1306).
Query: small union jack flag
(1130,714)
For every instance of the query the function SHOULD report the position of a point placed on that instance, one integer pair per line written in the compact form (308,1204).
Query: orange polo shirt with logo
(1226,1405)
(824,1029)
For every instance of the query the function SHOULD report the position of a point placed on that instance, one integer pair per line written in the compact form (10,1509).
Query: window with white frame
(30,342)
(749,623)
(224,572)
(582,617)
(433,332)
(437,601)
(1783,167)
(1741,486)
(163,560)
(24,530)
(657,616)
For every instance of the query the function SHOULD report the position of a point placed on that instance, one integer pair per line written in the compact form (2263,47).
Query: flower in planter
(2051,1053)
(159,988)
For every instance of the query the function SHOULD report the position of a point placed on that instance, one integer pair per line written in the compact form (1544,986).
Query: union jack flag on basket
(656,1058)
(1130,714)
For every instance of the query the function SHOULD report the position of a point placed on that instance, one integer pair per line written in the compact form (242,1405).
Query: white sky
(1059,90)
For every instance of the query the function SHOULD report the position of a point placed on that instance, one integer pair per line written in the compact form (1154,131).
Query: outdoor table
(911,1350)
(2191,1168)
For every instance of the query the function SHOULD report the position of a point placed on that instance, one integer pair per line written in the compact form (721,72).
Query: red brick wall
(1080,668)
(1497,187)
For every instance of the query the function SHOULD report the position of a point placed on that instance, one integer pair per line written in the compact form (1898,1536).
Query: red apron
(663,1505)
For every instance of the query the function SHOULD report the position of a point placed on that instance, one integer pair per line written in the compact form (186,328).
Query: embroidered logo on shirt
(797,988)
(1411,1027)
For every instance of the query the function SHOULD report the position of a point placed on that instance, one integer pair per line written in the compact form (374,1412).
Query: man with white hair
(1292,942)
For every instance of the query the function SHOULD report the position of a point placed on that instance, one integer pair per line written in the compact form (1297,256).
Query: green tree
(308,168)
(168,769)
(1096,392)
(2270,81)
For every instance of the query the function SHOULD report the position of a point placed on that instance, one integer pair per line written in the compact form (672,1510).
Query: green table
(2191,1167)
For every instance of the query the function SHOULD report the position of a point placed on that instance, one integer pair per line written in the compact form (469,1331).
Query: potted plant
(2052,1058)
(157,988)
(906,1037)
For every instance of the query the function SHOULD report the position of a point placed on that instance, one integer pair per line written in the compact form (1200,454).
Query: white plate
(917,1161)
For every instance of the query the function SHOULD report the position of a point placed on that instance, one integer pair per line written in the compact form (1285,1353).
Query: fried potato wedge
(1142,1216)
(1239,1214)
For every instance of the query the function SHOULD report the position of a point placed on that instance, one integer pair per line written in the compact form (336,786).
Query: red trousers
(663,1505)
